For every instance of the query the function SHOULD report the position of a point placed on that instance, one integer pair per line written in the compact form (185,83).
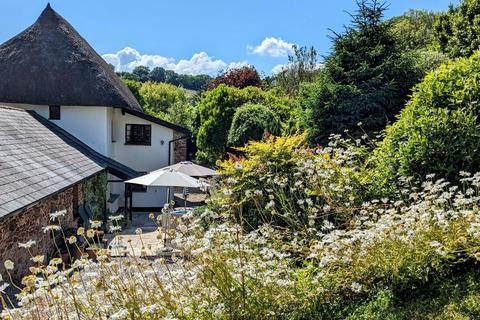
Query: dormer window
(138,134)
(54,112)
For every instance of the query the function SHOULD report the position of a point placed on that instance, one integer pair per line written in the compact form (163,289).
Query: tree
(302,67)
(215,114)
(157,75)
(142,73)
(158,97)
(251,122)
(458,30)
(438,131)
(415,30)
(134,87)
(240,78)
(367,79)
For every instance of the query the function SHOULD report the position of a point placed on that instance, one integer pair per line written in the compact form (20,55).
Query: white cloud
(200,63)
(273,47)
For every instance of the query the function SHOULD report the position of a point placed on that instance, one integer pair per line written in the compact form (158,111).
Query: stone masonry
(28,224)
(179,147)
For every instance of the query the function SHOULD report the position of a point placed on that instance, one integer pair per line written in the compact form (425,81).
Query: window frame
(128,130)
(54,112)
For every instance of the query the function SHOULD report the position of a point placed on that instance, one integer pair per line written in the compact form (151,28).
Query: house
(43,169)
(52,72)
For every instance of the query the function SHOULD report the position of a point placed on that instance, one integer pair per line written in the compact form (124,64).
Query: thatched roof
(51,64)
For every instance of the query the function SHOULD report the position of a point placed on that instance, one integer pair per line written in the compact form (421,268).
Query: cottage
(52,72)
(43,169)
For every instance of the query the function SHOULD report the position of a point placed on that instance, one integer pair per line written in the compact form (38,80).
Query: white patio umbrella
(192,169)
(166,178)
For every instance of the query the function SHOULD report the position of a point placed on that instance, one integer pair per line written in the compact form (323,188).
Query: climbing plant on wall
(95,191)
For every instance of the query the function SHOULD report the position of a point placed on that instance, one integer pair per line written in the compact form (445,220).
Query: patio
(150,240)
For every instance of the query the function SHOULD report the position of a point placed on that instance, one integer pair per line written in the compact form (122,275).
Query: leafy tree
(415,30)
(458,30)
(142,73)
(134,87)
(302,67)
(157,75)
(158,97)
(217,108)
(438,131)
(367,79)
(251,122)
(241,78)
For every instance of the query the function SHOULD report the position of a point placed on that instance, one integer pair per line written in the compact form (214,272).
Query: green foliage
(134,87)
(302,67)
(159,74)
(159,97)
(458,30)
(251,122)
(438,131)
(217,108)
(95,190)
(367,79)
(414,30)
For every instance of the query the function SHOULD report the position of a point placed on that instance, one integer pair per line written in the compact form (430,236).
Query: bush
(216,110)
(251,122)
(158,97)
(438,131)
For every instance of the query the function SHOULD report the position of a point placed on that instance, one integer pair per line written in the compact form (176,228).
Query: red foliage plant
(239,77)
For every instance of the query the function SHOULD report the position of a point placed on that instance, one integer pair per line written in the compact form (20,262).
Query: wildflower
(138,231)
(9,265)
(38,259)
(116,218)
(270,204)
(72,239)
(55,215)
(90,233)
(27,245)
(356,287)
(81,231)
(151,216)
(227,192)
(96,224)
(115,228)
(51,228)
(55,261)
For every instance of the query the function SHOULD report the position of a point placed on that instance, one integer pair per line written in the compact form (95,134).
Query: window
(54,112)
(138,134)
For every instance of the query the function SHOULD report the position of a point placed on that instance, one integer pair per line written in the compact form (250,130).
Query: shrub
(251,122)
(216,110)
(438,131)
(243,77)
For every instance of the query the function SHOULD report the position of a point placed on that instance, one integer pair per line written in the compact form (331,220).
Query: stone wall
(179,147)
(28,224)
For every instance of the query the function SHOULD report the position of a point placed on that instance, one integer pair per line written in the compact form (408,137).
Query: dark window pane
(54,112)
(138,134)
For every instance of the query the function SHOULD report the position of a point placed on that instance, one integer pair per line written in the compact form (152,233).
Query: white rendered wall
(141,158)
(88,124)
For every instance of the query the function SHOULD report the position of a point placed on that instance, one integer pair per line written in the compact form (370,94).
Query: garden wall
(28,224)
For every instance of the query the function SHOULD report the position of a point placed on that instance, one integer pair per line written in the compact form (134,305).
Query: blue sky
(198,36)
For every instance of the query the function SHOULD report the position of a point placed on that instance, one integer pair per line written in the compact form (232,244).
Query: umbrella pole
(166,219)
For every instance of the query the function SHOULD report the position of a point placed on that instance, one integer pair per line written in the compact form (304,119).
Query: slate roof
(51,64)
(38,158)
